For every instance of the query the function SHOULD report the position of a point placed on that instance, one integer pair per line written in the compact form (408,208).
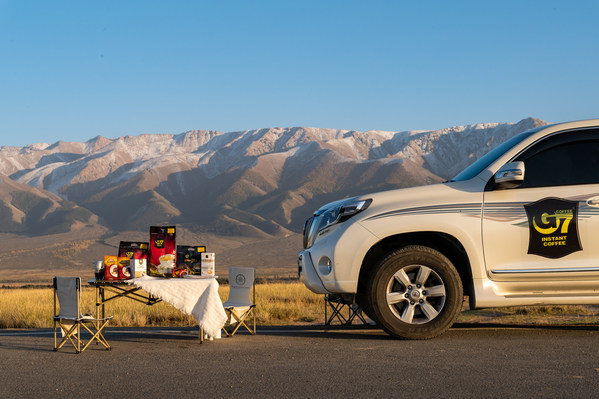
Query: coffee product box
(189,260)
(111,267)
(208,264)
(138,253)
(163,251)
(139,267)
(124,264)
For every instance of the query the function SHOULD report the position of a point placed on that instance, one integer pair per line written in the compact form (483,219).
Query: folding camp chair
(67,290)
(239,305)
(337,304)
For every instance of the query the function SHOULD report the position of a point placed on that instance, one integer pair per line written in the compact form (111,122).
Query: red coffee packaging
(162,258)
(124,270)
(133,249)
(138,253)
(111,267)
(189,260)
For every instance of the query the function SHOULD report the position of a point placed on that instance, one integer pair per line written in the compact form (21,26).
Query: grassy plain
(278,303)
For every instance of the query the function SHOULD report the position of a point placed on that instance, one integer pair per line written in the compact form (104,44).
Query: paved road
(297,362)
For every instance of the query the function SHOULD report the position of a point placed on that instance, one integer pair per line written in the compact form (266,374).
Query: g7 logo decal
(553,229)
(555,219)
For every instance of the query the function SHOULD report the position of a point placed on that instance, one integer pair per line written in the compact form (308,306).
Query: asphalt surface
(307,362)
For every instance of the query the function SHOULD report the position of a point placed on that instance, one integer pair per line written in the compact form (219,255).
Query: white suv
(520,226)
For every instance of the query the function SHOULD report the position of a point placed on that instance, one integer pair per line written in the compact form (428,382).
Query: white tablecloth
(194,296)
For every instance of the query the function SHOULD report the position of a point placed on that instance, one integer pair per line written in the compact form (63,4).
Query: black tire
(415,293)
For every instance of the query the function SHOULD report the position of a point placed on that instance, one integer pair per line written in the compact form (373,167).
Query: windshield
(483,162)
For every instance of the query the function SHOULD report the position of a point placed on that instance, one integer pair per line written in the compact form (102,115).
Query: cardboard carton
(208,261)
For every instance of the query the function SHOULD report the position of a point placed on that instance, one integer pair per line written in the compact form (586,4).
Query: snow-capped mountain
(257,182)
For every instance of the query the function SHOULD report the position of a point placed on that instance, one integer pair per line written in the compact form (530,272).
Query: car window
(562,159)
(490,157)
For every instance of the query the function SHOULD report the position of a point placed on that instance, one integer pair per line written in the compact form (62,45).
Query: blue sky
(72,70)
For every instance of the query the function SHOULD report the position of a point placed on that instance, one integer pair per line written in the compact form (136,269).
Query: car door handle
(593,201)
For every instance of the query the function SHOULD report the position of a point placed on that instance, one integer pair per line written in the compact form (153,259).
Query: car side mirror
(510,175)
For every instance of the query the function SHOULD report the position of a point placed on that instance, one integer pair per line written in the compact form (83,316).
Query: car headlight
(331,214)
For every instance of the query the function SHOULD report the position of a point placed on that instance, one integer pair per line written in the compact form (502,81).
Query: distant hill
(30,211)
(230,189)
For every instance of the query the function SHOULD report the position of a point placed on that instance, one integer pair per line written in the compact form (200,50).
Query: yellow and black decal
(553,227)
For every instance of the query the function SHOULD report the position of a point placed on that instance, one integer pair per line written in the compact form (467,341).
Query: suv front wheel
(416,293)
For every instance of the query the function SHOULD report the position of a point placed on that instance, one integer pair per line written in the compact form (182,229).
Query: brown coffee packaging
(124,264)
(189,260)
(163,254)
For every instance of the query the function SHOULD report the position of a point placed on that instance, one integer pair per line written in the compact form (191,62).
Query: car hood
(449,193)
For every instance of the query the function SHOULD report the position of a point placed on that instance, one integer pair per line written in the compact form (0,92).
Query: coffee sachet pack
(111,267)
(124,267)
(163,252)
(189,260)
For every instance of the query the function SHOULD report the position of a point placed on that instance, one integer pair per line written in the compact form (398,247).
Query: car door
(547,229)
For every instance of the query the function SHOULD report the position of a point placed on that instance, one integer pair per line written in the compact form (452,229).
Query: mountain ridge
(275,174)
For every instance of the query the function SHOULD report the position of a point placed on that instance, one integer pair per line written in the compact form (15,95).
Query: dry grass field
(279,303)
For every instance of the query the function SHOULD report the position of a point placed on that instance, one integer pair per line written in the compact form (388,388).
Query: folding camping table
(109,290)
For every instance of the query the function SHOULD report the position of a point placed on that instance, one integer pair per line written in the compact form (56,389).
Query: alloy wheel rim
(416,294)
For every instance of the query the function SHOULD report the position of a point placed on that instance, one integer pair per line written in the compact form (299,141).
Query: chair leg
(70,333)
(355,311)
(78,337)
(55,336)
(73,335)
(237,319)
(336,308)
(98,336)
(227,322)
(240,321)
(244,318)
